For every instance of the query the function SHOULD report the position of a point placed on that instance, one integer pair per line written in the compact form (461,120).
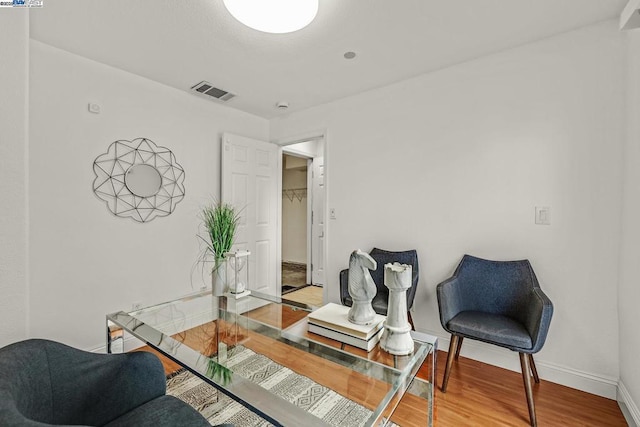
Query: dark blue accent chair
(380,302)
(45,383)
(500,303)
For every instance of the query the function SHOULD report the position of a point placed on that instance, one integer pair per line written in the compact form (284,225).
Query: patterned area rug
(324,403)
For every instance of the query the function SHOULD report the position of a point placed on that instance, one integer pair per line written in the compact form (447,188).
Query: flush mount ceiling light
(273,16)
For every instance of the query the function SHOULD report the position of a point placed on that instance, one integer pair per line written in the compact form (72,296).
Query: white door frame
(309,183)
(315,136)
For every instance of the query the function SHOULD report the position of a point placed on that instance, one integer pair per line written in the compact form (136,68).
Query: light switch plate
(543,215)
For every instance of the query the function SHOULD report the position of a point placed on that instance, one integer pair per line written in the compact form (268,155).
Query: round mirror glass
(143,180)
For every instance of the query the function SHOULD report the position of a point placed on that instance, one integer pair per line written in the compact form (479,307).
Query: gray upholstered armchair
(47,383)
(498,302)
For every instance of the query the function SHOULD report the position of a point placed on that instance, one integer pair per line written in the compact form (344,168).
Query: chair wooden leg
(413,328)
(459,346)
(453,345)
(526,377)
(534,371)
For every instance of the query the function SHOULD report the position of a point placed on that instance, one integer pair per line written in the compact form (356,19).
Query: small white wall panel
(263,266)
(263,207)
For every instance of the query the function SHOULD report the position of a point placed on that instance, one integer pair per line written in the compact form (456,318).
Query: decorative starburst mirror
(139,180)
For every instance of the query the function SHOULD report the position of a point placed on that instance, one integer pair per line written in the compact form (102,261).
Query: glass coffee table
(257,350)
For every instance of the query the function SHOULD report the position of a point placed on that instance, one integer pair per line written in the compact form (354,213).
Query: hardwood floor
(483,395)
(478,394)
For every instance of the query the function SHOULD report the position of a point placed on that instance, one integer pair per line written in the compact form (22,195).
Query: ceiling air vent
(206,88)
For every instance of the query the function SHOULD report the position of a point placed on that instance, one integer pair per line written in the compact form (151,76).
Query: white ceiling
(181,42)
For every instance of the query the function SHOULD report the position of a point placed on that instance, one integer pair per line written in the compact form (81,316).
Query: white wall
(84,261)
(14,78)
(455,161)
(629,289)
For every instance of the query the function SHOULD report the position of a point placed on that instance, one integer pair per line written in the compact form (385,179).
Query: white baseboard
(628,406)
(595,384)
(120,346)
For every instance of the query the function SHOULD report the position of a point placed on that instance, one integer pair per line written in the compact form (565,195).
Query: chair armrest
(344,286)
(95,389)
(449,300)
(61,385)
(538,318)
(10,416)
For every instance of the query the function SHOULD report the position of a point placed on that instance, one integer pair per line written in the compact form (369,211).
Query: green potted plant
(220,221)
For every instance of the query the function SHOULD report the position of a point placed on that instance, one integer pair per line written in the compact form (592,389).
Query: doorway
(302,222)
(294,223)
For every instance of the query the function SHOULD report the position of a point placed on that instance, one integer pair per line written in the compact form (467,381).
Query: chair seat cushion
(491,328)
(162,411)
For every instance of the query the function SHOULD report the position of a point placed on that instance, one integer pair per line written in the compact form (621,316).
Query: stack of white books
(331,321)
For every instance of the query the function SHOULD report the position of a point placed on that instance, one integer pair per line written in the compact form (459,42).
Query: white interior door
(249,181)
(317,221)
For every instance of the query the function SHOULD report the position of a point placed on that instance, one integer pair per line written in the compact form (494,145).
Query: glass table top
(223,339)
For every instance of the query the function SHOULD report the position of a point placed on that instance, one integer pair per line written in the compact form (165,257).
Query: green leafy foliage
(220,221)
(216,371)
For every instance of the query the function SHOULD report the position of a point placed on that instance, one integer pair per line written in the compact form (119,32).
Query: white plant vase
(219,277)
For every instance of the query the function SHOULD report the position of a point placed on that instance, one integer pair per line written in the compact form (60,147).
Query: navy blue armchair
(46,383)
(380,302)
(500,303)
